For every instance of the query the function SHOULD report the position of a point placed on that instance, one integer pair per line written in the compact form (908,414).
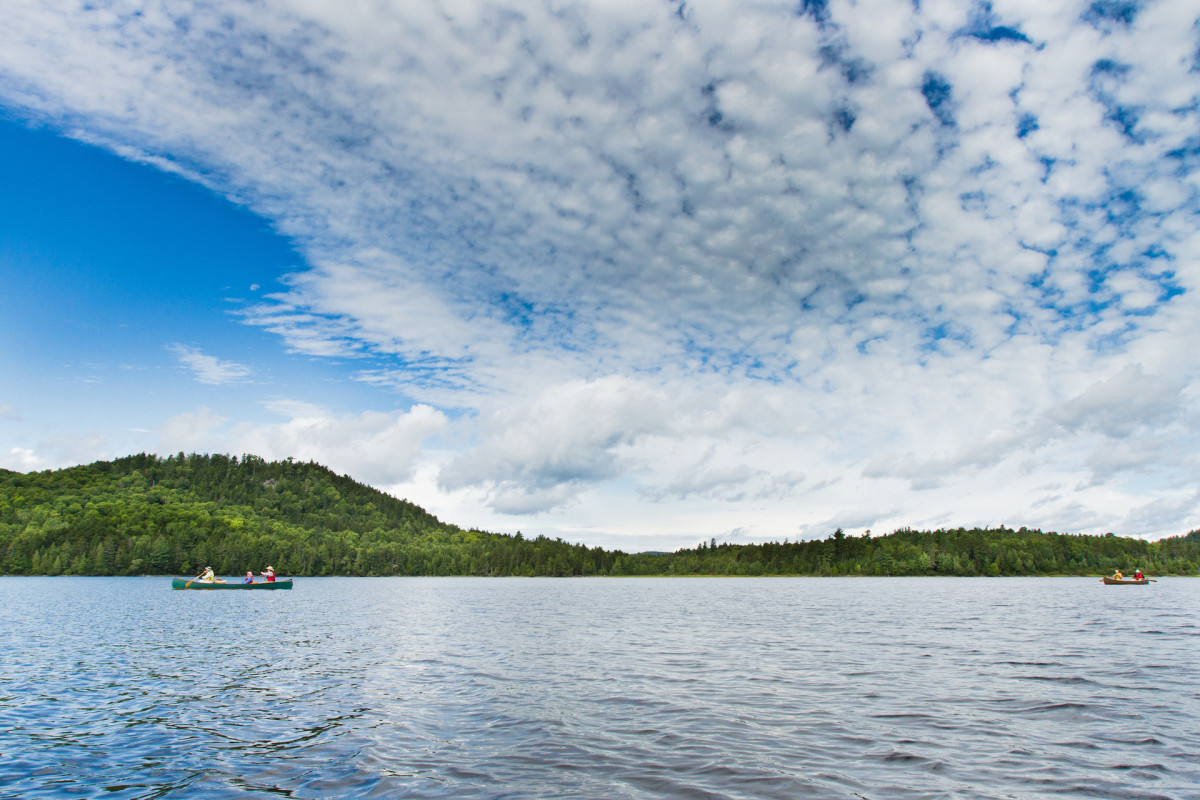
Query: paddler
(269,574)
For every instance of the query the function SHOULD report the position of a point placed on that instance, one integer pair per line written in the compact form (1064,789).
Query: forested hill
(149,515)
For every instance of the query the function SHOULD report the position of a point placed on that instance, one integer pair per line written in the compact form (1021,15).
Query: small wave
(903,715)
(1067,679)
(1050,708)
(911,760)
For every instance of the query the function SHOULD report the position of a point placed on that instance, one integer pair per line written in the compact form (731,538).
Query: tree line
(144,514)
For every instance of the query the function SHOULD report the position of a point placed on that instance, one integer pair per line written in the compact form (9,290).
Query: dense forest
(149,515)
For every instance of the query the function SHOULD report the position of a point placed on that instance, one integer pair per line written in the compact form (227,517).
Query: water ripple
(614,688)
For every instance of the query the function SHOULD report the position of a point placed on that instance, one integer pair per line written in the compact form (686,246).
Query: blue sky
(117,276)
(633,274)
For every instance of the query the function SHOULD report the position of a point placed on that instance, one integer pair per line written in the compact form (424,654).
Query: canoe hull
(1115,582)
(192,583)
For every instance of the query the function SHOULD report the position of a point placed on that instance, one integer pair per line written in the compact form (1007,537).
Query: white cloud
(57,451)
(9,412)
(190,432)
(379,448)
(208,369)
(1161,512)
(23,459)
(780,265)
(1118,406)
(573,436)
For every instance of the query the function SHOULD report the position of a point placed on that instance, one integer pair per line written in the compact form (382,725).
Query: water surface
(601,688)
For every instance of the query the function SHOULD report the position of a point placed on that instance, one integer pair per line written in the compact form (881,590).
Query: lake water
(601,688)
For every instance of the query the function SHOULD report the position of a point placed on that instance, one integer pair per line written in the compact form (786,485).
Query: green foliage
(960,551)
(148,515)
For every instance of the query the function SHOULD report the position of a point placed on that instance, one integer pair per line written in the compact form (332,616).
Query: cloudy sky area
(634,274)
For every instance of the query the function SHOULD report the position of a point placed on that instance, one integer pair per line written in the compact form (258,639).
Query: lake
(601,688)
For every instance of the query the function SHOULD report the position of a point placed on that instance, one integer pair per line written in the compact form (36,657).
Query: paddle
(188,585)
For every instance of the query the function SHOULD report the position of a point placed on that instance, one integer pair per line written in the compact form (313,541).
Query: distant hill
(143,514)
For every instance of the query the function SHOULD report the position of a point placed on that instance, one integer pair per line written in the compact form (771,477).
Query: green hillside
(148,515)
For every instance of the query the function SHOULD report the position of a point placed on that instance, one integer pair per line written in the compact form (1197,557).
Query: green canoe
(192,583)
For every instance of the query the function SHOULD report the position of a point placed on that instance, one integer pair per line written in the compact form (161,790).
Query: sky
(632,274)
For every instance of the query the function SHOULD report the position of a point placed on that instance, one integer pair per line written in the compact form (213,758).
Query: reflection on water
(601,688)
